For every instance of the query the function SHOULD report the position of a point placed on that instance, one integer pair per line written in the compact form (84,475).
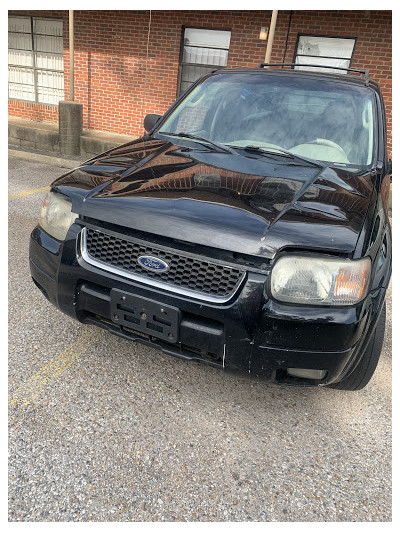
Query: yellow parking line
(25,193)
(36,384)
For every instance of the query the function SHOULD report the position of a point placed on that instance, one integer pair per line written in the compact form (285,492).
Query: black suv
(247,229)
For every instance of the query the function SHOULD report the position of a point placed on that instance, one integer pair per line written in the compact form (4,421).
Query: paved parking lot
(102,429)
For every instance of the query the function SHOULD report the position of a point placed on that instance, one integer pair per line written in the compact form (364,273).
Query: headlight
(320,280)
(56,216)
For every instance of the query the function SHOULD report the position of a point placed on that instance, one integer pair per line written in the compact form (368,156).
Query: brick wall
(118,87)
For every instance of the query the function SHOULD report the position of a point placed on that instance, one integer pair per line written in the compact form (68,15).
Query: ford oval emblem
(154,264)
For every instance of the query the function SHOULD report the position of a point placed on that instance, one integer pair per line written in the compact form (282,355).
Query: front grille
(187,273)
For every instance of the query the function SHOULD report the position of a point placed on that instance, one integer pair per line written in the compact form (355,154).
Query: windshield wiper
(279,152)
(202,140)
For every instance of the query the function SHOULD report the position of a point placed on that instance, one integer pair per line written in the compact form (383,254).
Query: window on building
(35,59)
(329,51)
(203,51)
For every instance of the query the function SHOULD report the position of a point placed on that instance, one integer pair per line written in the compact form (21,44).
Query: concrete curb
(46,159)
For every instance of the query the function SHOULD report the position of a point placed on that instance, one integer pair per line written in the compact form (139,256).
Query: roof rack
(364,72)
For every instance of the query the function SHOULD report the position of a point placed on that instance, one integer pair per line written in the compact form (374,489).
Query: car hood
(239,202)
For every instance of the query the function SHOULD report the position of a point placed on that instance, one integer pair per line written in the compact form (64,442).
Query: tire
(365,369)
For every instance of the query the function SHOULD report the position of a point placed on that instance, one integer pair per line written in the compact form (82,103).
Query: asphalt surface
(102,429)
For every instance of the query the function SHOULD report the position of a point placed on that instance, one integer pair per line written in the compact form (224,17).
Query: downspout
(70,113)
(271,35)
(71,55)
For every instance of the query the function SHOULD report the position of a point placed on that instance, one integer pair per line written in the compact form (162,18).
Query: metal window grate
(330,53)
(35,59)
(203,50)
(188,274)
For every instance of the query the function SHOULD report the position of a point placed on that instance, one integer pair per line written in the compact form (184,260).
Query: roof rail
(364,72)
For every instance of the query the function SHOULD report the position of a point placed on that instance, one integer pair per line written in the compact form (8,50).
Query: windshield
(322,120)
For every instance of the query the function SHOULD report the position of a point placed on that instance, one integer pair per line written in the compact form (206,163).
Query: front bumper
(249,334)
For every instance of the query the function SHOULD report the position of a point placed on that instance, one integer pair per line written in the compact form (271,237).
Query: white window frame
(38,72)
(316,59)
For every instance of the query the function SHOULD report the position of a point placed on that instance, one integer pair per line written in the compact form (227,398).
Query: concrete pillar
(70,116)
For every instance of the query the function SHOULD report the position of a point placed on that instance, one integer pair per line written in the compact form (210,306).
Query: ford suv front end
(248,229)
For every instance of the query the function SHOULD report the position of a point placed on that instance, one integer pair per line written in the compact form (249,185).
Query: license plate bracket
(145,315)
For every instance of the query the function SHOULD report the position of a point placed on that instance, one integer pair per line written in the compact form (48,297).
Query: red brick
(110,56)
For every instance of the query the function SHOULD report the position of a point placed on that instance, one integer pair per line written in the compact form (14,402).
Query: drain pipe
(271,35)
(70,113)
(71,54)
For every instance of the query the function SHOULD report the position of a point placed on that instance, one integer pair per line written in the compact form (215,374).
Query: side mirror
(388,167)
(150,121)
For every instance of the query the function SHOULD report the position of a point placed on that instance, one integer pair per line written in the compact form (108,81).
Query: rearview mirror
(150,121)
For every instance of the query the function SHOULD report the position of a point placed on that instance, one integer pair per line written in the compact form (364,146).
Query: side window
(329,51)
(202,51)
(35,59)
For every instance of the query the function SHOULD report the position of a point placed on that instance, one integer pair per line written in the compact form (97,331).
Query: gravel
(101,429)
